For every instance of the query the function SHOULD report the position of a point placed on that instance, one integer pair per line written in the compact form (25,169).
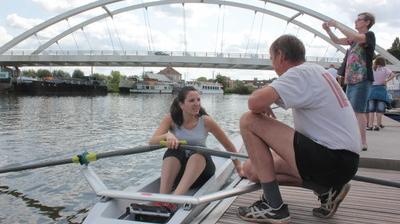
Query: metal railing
(161,53)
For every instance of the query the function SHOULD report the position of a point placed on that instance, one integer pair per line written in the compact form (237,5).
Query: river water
(36,129)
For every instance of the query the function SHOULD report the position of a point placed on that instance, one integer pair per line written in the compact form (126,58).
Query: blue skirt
(378,92)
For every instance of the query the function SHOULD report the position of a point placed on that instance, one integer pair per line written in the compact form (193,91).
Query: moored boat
(115,206)
(206,87)
(143,87)
(5,81)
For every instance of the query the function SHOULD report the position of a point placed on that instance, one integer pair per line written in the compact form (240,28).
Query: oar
(224,154)
(232,155)
(84,158)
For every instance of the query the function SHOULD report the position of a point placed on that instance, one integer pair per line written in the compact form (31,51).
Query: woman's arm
(349,33)
(334,38)
(162,133)
(220,135)
(390,77)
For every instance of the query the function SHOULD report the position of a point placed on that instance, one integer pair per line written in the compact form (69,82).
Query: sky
(203,27)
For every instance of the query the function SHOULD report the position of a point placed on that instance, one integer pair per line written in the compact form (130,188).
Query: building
(172,74)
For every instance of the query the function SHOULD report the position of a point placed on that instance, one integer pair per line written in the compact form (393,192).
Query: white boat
(206,87)
(142,87)
(115,206)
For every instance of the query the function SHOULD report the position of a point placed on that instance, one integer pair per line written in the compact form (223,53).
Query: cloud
(4,36)
(61,5)
(19,22)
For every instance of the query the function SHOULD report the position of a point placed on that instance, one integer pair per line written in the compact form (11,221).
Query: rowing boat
(116,206)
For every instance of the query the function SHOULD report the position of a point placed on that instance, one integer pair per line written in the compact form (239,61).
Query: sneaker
(381,126)
(330,201)
(369,129)
(376,128)
(260,211)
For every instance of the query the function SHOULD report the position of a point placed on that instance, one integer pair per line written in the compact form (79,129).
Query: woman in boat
(187,120)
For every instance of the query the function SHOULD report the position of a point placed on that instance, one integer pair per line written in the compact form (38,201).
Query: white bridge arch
(40,57)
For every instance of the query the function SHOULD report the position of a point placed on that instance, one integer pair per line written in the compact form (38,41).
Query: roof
(169,71)
(159,77)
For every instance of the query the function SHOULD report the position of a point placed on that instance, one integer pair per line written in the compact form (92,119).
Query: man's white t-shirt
(321,110)
(333,72)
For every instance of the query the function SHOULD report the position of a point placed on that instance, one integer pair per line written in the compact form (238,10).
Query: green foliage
(395,49)
(78,74)
(29,73)
(100,77)
(41,73)
(113,81)
(240,88)
(224,80)
(202,79)
(61,74)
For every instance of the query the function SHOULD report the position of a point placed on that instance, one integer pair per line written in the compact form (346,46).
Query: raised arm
(350,34)
(334,38)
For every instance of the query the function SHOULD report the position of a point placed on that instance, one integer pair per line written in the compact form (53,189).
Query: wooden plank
(366,203)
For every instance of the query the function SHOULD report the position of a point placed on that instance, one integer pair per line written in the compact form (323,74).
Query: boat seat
(150,213)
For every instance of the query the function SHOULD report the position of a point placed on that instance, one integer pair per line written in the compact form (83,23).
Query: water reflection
(51,212)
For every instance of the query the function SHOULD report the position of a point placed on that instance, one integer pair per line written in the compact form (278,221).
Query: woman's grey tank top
(196,136)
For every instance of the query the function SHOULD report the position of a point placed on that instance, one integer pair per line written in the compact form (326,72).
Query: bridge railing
(163,53)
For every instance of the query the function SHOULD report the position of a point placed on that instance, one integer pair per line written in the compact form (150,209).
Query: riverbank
(56,87)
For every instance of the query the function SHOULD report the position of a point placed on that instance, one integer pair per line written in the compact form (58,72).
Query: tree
(224,80)
(78,74)
(99,77)
(41,73)
(202,79)
(29,73)
(395,49)
(113,83)
(61,74)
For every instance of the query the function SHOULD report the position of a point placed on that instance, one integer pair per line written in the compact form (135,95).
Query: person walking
(358,73)
(378,97)
(320,153)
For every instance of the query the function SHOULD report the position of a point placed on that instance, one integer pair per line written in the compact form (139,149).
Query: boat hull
(112,210)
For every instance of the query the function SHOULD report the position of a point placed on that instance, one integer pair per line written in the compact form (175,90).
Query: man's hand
(269,113)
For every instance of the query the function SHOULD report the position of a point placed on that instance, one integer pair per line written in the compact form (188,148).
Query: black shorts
(321,165)
(183,156)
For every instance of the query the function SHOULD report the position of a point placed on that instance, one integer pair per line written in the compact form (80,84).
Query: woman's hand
(325,26)
(172,141)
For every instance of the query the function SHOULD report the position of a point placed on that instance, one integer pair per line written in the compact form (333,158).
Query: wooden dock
(365,203)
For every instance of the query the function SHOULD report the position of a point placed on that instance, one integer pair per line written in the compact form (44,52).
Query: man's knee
(249,172)
(246,120)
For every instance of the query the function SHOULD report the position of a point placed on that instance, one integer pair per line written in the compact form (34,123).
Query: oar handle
(164,142)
